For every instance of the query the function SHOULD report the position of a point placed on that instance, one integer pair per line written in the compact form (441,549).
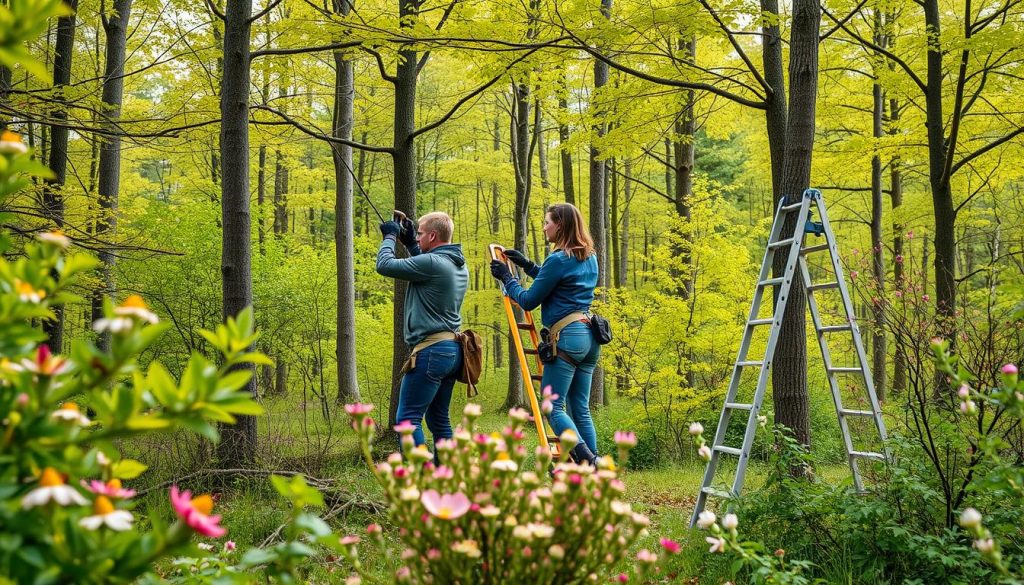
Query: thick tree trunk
(776,112)
(683,150)
(542,145)
(899,367)
(627,186)
(495,191)
(568,184)
(53,199)
(238,444)
(878,337)
(789,365)
(344,233)
(109,178)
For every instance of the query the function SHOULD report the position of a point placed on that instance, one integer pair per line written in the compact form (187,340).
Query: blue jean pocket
(575,341)
(439,364)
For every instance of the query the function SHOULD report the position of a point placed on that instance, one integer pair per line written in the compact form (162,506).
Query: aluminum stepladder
(531,381)
(796,251)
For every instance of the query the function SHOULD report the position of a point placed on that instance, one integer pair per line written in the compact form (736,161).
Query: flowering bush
(484,515)
(66,515)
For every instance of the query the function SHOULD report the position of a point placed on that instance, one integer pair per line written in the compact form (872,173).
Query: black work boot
(582,454)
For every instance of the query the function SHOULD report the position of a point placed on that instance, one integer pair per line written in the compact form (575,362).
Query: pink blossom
(445,506)
(374,529)
(925,298)
(1009,370)
(899,258)
(349,540)
(622,578)
(670,545)
(229,546)
(625,439)
(405,427)
(196,512)
(717,544)
(111,489)
(443,472)
(358,409)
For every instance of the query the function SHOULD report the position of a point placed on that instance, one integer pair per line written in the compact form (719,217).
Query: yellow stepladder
(547,441)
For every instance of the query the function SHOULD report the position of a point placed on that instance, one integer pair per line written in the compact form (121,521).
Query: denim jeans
(572,383)
(427,390)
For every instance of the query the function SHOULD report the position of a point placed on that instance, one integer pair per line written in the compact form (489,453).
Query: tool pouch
(601,328)
(545,349)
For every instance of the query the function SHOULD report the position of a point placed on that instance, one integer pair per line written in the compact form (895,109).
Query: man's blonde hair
(438,221)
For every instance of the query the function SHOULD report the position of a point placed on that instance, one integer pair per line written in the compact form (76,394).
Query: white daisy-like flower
(504,463)
(115,325)
(621,508)
(522,532)
(28,293)
(52,488)
(69,412)
(541,530)
(205,546)
(104,514)
(706,519)
(11,143)
(56,237)
(410,494)
(472,410)
(134,306)
(489,511)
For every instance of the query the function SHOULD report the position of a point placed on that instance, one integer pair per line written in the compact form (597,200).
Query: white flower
(706,519)
(984,545)
(556,551)
(115,325)
(52,488)
(504,464)
(519,414)
(704,452)
(621,508)
(134,306)
(540,530)
(522,532)
(205,546)
(730,522)
(410,494)
(964,391)
(762,420)
(717,544)
(69,412)
(640,519)
(104,513)
(569,436)
(11,143)
(56,237)
(968,407)
(696,428)
(472,410)
(489,511)
(28,293)
(970,518)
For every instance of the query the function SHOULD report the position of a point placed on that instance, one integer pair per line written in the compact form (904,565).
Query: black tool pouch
(545,349)
(601,328)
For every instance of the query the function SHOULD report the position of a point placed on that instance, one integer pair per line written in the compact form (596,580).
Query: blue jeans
(572,383)
(427,390)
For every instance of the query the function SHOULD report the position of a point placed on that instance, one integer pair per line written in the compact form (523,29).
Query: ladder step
(738,406)
(537,377)
(792,207)
(812,249)
(823,286)
(767,321)
(717,493)
(529,351)
(525,326)
(748,364)
(729,450)
(867,455)
(845,371)
(781,243)
(771,282)
(846,412)
(832,328)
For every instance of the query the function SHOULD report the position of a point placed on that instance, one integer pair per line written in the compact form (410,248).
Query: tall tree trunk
(281,175)
(598,199)
(495,191)
(568,181)
(683,150)
(109,178)
(899,367)
(53,198)
(627,187)
(344,232)
(542,144)
(405,180)
(878,337)
(613,224)
(789,365)
(776,111)
(238,444)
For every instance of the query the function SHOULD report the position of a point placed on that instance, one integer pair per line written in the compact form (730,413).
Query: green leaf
(312,524)
(258,556)
(128,469)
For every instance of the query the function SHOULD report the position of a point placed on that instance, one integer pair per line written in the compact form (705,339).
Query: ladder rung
(781,243)
(555,440)
(791,207)
(747,364)
(767,321)
(537,377)
(812,249)
(717,493)
(832,328)
(845,371)
(526,326)
(867,455)
(823,286)
(729,450)
(529,351)
(846,412)
(738,406)
(771,282)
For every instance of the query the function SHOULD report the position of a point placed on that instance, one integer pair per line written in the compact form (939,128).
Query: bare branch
(272,5)
(302,50)
(315,132)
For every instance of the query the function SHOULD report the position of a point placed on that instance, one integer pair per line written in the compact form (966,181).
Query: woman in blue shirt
(563,287)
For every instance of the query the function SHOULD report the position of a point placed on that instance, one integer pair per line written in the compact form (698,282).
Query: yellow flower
(134,306)
(52,487)
(28,293)
(104,513)
(69,412)
(10,143)
(56,237)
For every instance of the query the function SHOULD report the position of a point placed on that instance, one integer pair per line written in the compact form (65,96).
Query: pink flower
(443,472)
(670,545)
(405,427)
(925,298)
(349,540)
(1009,369)
(899,258)
(358,409)
(196,512)
(625,439)
(445,506)
(229,546)
(111,489)
(45,363)
(622,578)
(374,529)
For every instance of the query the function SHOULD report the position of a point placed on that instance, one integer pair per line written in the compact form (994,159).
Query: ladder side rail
(848,308)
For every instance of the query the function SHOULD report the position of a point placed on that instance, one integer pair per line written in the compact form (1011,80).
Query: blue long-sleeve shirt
(437,285)
(561,285)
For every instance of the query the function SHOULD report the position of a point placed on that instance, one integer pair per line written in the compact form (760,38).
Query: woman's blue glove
(390,229)
(520,260)
(500,271)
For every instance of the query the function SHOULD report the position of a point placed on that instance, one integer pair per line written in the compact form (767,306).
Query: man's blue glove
(408,235)
(520,260)
(390,229)
(500,271)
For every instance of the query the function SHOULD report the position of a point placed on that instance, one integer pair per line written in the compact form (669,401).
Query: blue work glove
(520,260)
(390,229)
(408,235)
(500,271)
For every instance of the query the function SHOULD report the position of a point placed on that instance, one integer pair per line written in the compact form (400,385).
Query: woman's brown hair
(573,236)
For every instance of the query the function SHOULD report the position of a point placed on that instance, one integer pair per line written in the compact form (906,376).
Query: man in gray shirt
(437,276)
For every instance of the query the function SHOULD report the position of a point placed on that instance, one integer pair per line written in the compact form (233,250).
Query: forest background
(217,155)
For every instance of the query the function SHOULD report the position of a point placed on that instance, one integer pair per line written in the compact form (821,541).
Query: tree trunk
(899,367)
(775,113)
(109,178)
(238,444)
(568,184)
(627,187)
(344,233)
(683,147)
(789,365)
(598,199)
(495,191)
(613,225)
(878,337)
(281,176)
(542,145)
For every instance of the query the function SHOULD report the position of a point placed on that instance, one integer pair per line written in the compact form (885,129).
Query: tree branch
(216,12)
(444,18)
(264,12)
(380,65)
(739,49)
(315,133)
(994,144)
(844,20)
(302,50)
